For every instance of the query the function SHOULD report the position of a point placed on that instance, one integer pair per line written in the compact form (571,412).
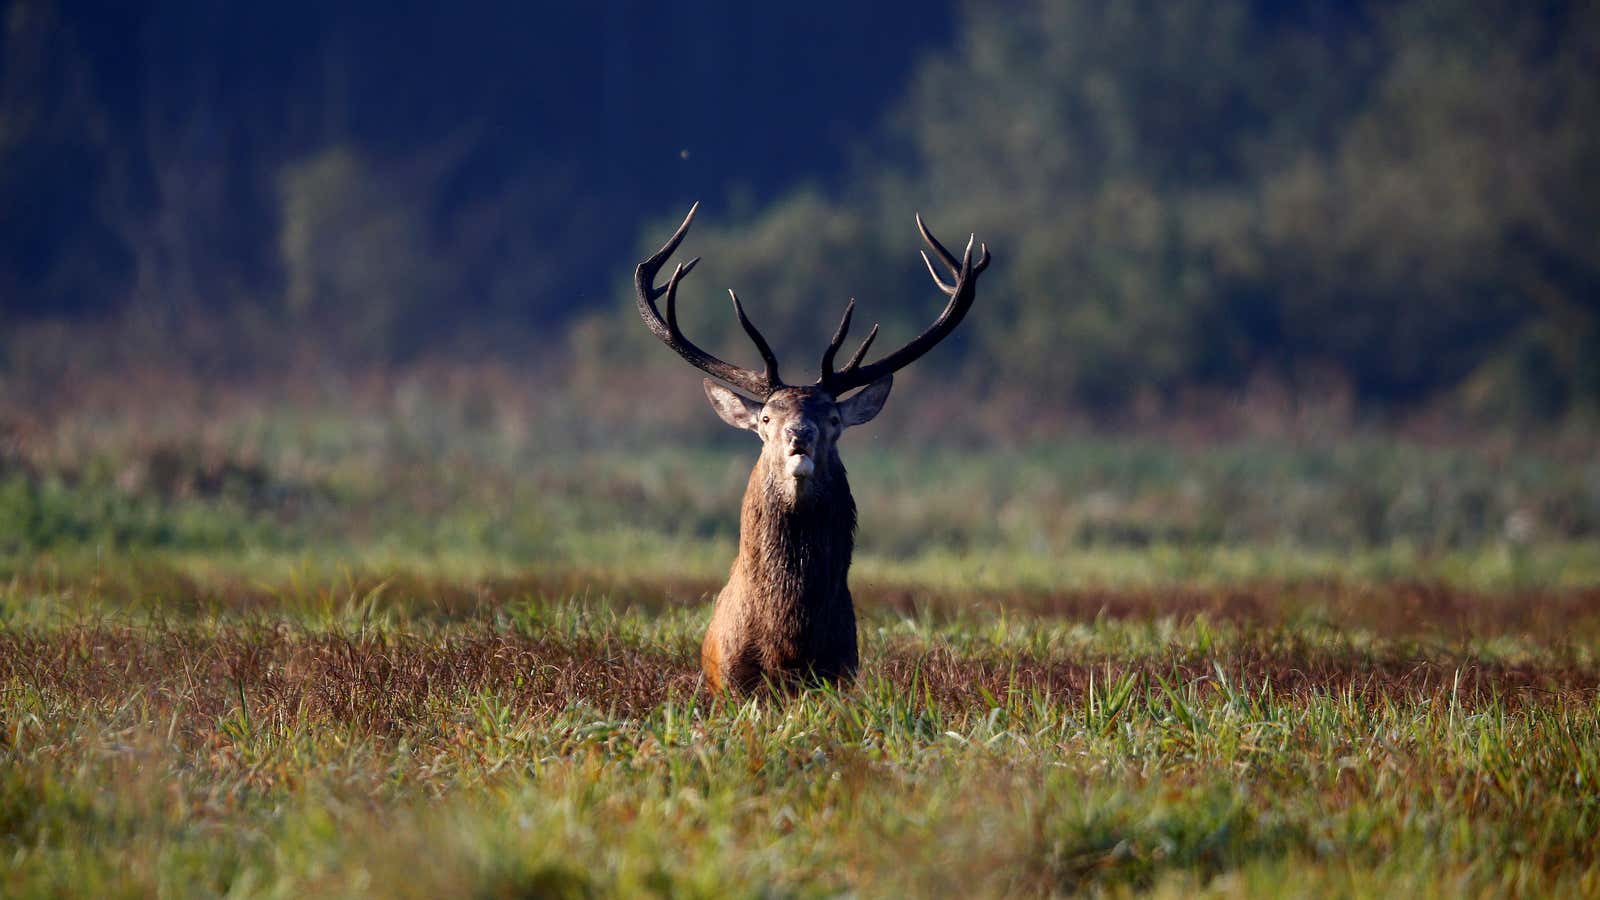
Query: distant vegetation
(465,467)
(1384,207)
(1396,206)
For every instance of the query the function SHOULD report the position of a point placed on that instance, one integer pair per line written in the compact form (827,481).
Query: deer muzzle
(799,461)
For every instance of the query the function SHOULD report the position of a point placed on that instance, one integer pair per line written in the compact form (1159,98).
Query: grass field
(267,651)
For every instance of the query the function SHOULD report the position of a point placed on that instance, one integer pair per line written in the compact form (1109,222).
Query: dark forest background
(1393,205)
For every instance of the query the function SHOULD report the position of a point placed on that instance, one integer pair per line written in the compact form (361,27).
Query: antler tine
(983,254)
(747,380)
(961,295)
(672,295)
(767,356)
(947,288)
(855,358)
(838,338)
(828,373)
(653,264)
(937,247)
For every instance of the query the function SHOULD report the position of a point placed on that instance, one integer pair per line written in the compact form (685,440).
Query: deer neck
(795,546)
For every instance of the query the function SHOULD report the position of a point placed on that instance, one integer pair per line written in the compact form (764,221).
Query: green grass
(365,743)
(1081,513)
(282,652)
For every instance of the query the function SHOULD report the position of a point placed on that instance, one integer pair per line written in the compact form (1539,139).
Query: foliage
(470,464)
(1384,205)
(1195,194)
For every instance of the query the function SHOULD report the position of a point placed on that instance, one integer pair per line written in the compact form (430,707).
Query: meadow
(425,637)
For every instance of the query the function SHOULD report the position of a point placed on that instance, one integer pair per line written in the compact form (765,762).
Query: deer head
(799,426)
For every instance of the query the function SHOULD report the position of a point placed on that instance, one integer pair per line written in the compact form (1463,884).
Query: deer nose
(800,433)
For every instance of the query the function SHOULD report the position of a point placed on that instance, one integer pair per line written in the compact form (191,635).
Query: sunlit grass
(345,742)
(295,653)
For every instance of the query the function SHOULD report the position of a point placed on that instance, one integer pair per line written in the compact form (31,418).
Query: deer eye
(765,419)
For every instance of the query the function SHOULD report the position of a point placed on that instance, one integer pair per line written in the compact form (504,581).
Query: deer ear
(864,406)
(734,409)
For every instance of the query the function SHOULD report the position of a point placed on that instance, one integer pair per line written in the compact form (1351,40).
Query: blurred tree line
(1398,201)
(223,182)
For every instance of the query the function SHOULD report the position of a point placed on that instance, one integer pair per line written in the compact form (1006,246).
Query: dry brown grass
(391,684)
(1395,609)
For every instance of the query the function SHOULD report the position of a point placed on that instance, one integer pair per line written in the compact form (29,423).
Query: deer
(785,618)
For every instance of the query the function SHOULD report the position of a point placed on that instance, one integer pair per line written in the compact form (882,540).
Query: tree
(1194,193)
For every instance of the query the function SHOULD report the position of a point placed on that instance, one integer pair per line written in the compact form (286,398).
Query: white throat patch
(799,466)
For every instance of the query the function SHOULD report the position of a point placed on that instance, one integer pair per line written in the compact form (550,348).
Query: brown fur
(786,615)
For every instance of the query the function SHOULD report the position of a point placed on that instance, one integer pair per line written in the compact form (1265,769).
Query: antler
(644,279)
(961,294)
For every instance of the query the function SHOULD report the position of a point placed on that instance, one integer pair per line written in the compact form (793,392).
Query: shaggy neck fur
(793,565)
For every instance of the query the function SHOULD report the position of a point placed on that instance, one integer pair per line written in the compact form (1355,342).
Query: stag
(785,616)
